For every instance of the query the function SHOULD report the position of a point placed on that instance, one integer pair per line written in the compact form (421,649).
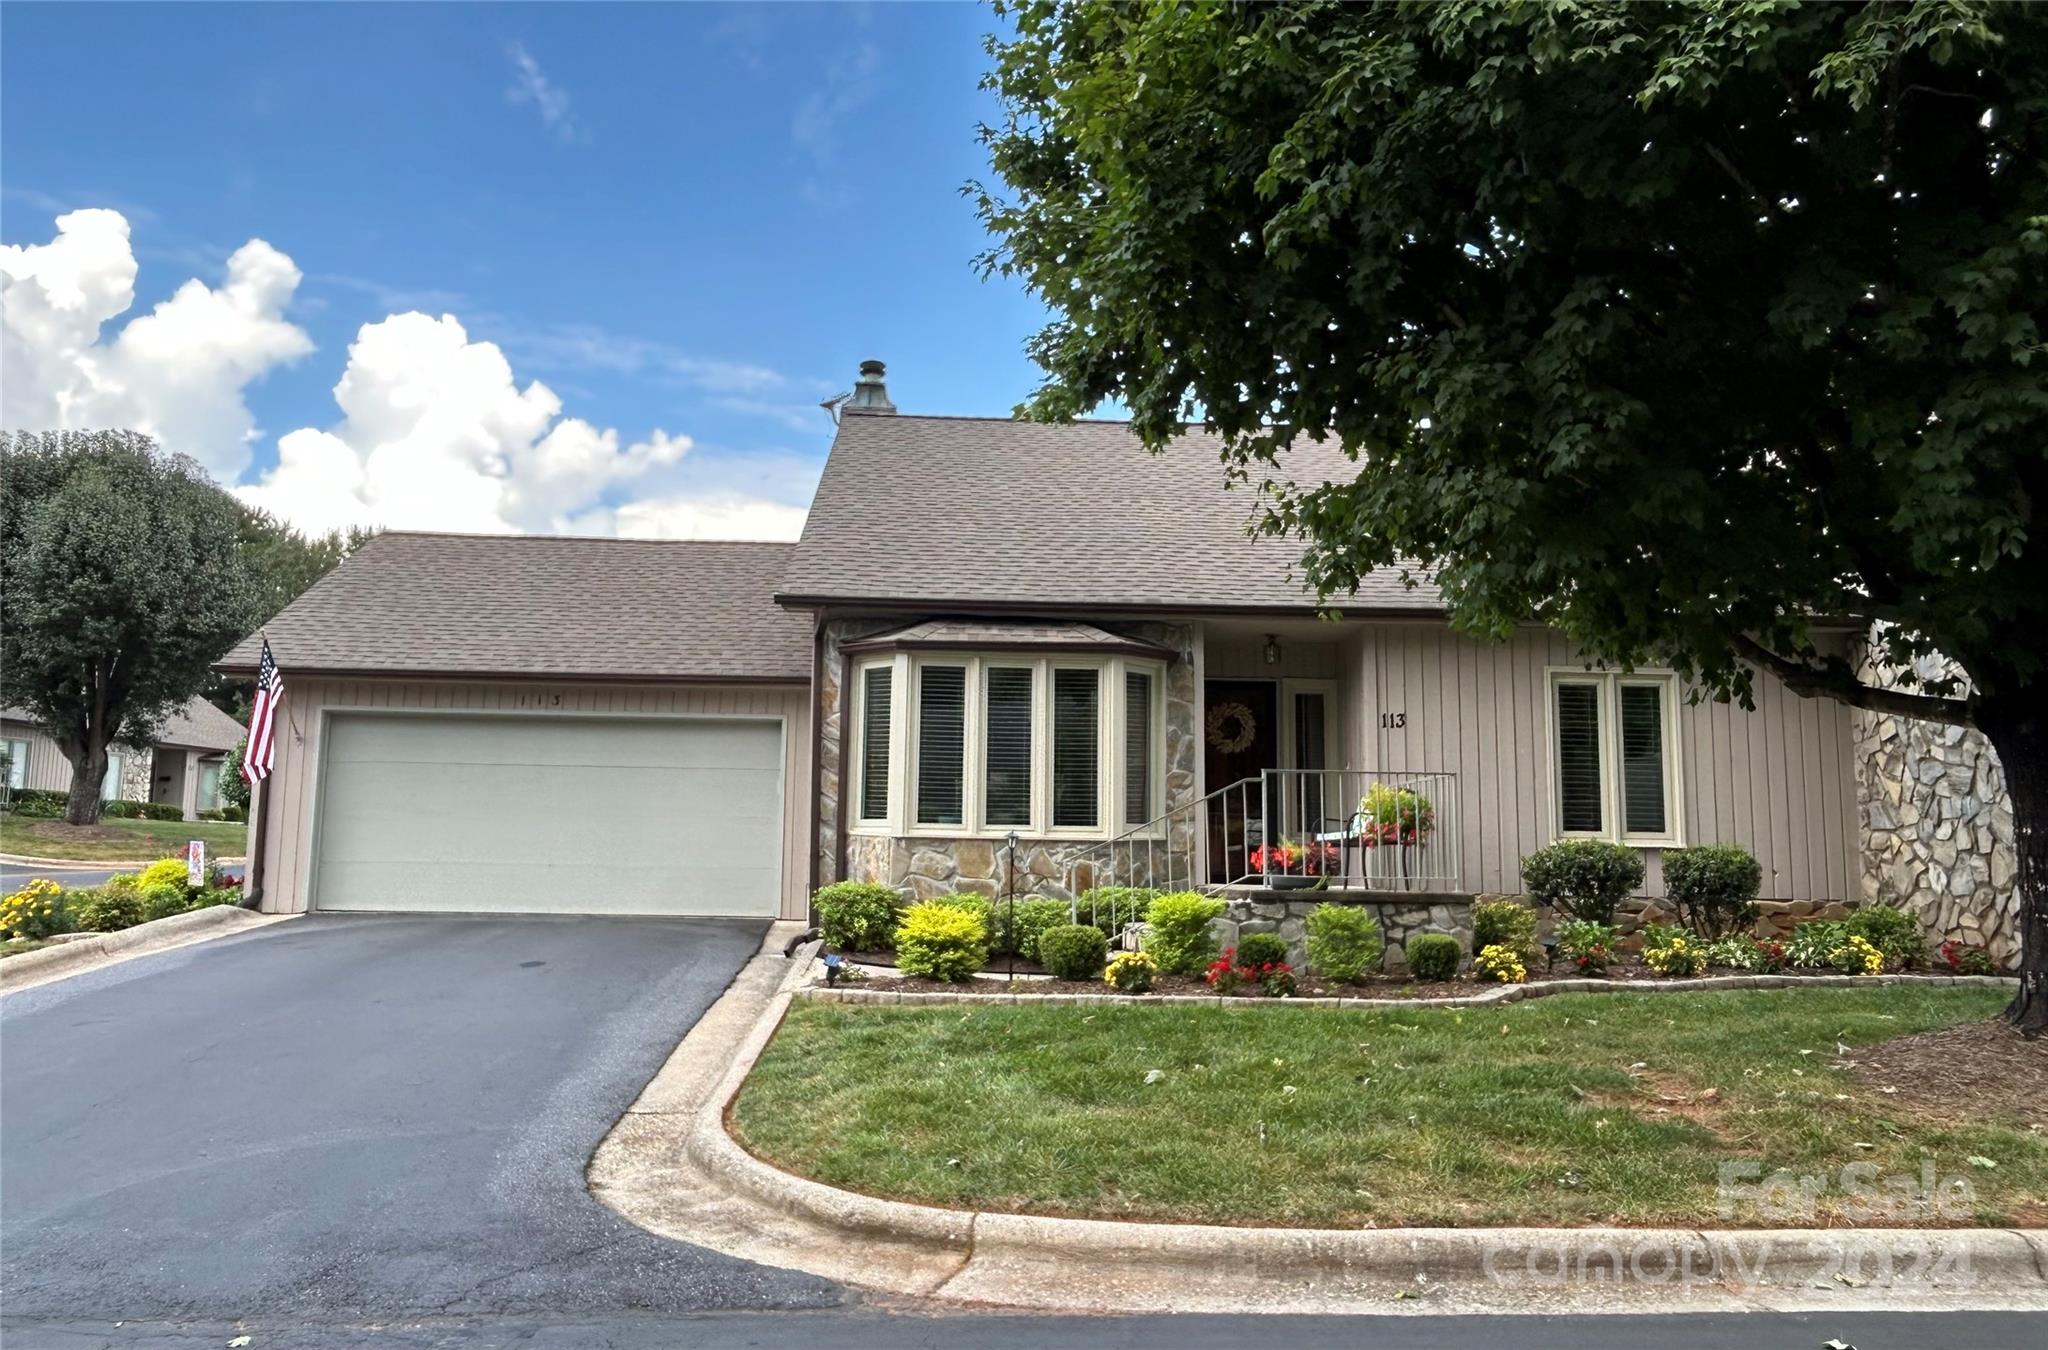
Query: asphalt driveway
(361,1117)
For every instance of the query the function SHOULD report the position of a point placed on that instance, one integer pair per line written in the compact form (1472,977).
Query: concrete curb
(104,949)
(1498,994)
(679,1172)
(99,864)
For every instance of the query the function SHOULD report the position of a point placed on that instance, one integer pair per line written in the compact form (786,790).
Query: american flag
(262,752)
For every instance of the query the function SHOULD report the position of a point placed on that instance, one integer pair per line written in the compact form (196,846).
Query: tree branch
(1837,681)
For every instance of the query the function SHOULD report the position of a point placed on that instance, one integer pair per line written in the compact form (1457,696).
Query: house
(988,628)
(182,769)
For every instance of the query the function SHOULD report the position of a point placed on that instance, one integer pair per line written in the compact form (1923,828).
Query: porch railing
(1331,829)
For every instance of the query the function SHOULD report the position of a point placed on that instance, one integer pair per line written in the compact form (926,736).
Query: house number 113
(1395,719)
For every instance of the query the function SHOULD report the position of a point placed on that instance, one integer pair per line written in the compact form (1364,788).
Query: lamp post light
(1010,889)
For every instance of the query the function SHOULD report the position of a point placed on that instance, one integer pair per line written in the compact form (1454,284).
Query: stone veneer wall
(1937,831)
(138,769)
(925,866)
(1399,920)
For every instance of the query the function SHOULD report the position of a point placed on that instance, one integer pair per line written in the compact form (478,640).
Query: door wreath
(1231,727)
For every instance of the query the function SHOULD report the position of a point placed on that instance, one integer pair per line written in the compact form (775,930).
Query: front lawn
(119,840)
(1573,1110)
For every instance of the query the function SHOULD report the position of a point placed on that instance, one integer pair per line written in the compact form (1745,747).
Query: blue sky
(696,218)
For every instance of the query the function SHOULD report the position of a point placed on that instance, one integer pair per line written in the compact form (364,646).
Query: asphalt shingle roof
(537,605)
(967,511)
(198,725)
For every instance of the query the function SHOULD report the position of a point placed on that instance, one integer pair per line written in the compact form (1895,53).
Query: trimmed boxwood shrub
(1714,886)
(1017,927)
(108,908)
(1505,923)
(1434,957)
(1114,908)
(1073,951)
(941,942)
(236,814)
(1583,878)
(37,803)
(857,916)
(1261,949)
(1180,938)
(1344,942)
(122,809)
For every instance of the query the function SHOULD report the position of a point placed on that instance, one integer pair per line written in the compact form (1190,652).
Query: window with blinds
(941,744)
(1076,699)
(874,743)
(1006,788)
(1137,747)
(1643,807)
(1578,758)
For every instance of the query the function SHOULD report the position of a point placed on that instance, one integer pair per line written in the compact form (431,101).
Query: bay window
(1614,756)
(1048,746)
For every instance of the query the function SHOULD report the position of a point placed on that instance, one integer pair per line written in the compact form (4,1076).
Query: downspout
(252,876)
(817,747)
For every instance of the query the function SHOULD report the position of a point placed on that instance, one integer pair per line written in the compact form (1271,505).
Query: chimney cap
(869,395)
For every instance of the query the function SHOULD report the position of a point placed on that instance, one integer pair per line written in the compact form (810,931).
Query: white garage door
(549,815)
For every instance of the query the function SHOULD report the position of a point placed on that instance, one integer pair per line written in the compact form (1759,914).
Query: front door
(1240,740)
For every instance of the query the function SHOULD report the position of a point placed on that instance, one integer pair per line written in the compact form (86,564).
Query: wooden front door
(1240,739)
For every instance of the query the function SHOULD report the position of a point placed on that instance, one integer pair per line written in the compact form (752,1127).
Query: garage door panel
(555,815)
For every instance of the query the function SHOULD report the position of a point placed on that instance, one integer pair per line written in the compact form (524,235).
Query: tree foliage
(123,581)
(1677,326)
(1689,329)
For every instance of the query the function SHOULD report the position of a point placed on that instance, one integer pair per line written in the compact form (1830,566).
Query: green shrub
(941,942)
(1114,908)
(1582,878)
(163,899)
(1017,927)
(1434,957)
(1131,972)
(1734,951)
(122,809)
(1261,949)
(1892,931)
(1714,886)
(1180,938)
(234,789)
(1813,944)
(857,916)
(109,908)
(1073,951)
(1588,946)
(236,814)
(1505,923)
(1344,942)
(973,903)
(38,803)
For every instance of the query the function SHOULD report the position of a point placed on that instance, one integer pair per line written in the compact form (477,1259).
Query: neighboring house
(182,769)
(989,626)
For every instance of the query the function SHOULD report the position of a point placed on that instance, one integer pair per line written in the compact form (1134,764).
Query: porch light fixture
(1272,650)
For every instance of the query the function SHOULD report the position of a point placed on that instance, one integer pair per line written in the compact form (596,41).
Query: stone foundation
(1400,918)
(925,868)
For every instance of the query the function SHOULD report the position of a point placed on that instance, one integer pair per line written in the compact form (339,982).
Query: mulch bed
(1973,1072)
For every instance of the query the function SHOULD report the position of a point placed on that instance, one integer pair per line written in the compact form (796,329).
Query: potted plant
(1394,816)
(1291,866)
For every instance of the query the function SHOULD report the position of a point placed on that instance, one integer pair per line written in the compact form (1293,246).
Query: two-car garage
(548,815)
(540,725)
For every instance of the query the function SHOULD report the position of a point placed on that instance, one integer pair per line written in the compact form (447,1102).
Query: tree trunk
(88,771)
(2018,730)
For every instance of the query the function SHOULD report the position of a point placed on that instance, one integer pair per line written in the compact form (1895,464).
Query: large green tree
(121,580)
(1686,328)
(283,563)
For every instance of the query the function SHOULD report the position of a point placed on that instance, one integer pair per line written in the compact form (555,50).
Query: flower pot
(1287,883)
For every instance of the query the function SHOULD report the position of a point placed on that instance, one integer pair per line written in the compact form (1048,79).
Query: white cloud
(177,372)
(435,432)
(529,85)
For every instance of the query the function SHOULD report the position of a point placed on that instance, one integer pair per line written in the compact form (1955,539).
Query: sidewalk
(670,1166)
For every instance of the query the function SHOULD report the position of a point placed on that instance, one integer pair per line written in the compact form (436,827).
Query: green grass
(1532,1113)
(119,840)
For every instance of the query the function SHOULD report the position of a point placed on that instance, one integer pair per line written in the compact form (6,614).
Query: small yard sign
(195,862)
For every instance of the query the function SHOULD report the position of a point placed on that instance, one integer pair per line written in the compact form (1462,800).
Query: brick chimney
(870,395)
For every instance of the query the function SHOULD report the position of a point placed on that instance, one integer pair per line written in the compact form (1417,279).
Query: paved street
(335,1132)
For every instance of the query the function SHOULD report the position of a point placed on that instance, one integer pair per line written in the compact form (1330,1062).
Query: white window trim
(1610,684)
(905,690)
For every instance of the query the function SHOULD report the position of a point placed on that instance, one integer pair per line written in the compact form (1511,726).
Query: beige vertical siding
(1779,780)
(48,770)
(287,865)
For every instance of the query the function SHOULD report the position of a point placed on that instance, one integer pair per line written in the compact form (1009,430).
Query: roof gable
(967,512)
